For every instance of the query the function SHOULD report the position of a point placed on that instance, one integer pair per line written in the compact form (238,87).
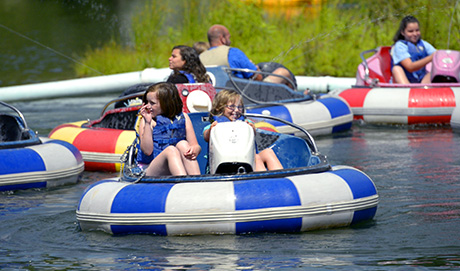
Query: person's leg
(260,166)
(167,162)
(191,166)
(279,80)
(269,158)
(427,78)
(399,76)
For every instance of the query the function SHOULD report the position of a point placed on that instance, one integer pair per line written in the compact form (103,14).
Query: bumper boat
(375,99)
(29,161)
(320,114)
(308,194)
(103,141)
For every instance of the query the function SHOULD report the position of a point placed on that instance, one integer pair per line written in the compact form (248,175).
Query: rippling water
(416,171)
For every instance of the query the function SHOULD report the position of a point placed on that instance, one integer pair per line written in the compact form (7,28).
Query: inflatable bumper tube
(294,203)
(402,105)
(323,116)
(101,148)
(50,164)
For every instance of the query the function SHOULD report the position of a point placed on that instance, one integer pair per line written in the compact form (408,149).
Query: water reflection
(44,38)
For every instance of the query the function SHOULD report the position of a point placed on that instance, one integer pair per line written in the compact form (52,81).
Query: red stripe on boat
(355,96)
(440,97)
(95,166)
(428,119)
(90,140)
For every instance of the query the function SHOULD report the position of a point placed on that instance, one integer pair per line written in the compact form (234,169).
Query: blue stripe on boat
(13,161)
(137,195)
(269,193)
(139,229)
(360,185)
(23,186)
(342,127)
(277,225)
(335,106)
(276,111)
(364,215)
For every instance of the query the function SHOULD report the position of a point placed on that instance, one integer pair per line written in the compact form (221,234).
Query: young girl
(229,104)
(168,144)
(186,66)
(410,54)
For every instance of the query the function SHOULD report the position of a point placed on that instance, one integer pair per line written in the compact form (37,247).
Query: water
(42,40)
(416,171)
(416,225)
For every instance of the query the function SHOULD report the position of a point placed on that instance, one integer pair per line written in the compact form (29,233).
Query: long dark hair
(402,26)
(192,63)
(169,98)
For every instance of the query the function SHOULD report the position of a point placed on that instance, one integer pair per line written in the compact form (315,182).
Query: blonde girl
(228,106)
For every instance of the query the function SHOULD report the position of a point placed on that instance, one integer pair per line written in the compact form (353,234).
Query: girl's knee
(171,151)
(182,145)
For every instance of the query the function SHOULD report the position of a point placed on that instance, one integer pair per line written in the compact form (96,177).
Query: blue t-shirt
(238,60)
(400,51)
(405,49)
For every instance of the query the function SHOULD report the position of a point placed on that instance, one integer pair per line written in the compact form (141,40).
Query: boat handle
(26,127)
(309,138)
(366,66)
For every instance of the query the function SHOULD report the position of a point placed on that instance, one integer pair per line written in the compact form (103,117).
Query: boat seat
(265,92)
(379,67)
(257,90)
(10,129)
(122,119)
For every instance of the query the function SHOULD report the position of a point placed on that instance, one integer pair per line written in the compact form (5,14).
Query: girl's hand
(251,124)
(192,152)
(147,115)
(213,125)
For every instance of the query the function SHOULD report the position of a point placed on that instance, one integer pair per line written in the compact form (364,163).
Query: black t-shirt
(177,79)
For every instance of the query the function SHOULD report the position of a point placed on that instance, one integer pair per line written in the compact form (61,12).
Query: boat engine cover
(445,66)
(232,148)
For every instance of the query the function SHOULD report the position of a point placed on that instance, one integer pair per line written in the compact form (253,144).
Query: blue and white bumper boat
(308,194)
(29,161)
(319,114)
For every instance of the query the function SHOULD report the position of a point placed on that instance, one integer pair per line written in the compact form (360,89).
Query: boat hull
(323,116)
(53,163)
(101,148)
(294,202)
(402,105)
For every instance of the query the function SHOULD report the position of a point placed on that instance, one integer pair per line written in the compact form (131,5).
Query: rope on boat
(35,176)
(231,216)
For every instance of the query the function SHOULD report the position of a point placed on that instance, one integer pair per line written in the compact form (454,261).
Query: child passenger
(229,104)
(410,54)
(168,144)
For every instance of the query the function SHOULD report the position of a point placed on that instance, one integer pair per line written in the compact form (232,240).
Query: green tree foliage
(326,43)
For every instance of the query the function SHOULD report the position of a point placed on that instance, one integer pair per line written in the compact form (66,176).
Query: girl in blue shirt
(168,144)
(410,54)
